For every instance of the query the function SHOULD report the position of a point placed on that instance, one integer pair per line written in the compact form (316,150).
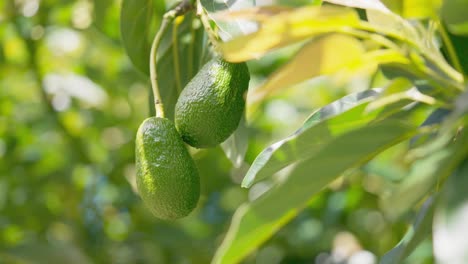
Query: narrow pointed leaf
(336,118)
(287,28)
(332,54)
(327,55)
(254,222)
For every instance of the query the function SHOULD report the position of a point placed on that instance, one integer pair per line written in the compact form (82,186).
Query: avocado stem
(158,104)
(179,10)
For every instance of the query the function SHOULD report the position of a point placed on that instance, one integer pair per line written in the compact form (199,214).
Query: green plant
(409,51)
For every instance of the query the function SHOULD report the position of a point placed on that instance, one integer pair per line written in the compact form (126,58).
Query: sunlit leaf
(414,8)
(450,219)
(331,54)
(139,20)
(255,222)
(393,24)
(258,13)
(363,4)
(287,28)
(418,231)
(411,95)
(326,55)
(334,119)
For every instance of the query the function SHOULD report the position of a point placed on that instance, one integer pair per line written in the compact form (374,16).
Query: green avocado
(211,105)
(166,175)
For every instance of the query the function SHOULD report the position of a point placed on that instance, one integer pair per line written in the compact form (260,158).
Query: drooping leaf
(435,160)
(336,118)
(418,231)
(332,54)
(234,28)
(236,145)
(139,20)
(450,219)
(255,222)
(324,56)
(288,27)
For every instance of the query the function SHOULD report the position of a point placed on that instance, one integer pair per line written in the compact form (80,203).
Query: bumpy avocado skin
(166,175)
(211,105)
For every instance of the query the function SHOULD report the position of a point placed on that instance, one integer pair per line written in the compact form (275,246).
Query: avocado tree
(410,115)
(235,131)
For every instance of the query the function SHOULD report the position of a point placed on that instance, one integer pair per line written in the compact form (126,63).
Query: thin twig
(180,9)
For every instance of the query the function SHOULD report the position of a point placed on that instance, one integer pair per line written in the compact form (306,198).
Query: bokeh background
(70,105)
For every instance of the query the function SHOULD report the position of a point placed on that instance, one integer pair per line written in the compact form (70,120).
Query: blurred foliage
(70,104)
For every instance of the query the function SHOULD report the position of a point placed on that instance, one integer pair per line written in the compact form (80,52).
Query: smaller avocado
(166,175)
(211,105)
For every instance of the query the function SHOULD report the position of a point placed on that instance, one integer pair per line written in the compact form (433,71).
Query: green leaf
(453,13)
(421,228)
(287,28)
(392,24)
(233,28)
(410,95)
(139,20)
(337,54)
(326,55)
(450,219)
(105,17)
(236,145)
(254,222)
(434,161)
(435,118)
(336,118)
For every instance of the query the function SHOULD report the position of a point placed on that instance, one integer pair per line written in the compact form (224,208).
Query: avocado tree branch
(179,10)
